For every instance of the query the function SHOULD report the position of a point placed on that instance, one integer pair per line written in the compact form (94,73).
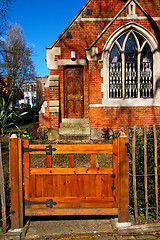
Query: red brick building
(104,67)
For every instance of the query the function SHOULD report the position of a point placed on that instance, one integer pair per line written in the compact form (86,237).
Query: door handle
(81,98)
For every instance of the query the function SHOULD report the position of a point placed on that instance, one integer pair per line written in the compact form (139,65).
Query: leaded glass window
(115,78)
(146,80)
(131,67)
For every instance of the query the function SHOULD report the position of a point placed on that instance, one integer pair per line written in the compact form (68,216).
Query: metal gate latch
(49,203)
(113,175)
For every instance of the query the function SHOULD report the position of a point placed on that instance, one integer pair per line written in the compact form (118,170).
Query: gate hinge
(49,203)
(48,149)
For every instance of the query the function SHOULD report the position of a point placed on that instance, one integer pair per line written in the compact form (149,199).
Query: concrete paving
(83,229)
(97,229)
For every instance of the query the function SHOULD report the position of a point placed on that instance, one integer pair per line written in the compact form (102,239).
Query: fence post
(16,182)
(123,190)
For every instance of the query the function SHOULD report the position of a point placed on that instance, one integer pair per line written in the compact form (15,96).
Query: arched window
(131,67)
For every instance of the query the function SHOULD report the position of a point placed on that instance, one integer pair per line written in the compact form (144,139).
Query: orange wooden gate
(73,190)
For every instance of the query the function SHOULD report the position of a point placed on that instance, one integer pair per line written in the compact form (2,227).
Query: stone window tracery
(130,67)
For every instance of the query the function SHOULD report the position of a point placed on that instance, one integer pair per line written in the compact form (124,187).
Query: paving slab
(125,238)
(146,237)
(104,238)
(63,228)
(135,229)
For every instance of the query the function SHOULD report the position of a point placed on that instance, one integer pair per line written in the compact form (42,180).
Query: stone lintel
(64,62)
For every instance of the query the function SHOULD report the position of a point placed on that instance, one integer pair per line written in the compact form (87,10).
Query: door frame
(65,89)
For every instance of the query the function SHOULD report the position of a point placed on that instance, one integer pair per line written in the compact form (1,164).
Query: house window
(131,67)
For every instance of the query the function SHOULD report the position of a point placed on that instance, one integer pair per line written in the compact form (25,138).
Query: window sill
(127,102)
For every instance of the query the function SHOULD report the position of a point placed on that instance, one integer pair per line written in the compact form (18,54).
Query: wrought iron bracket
(49,203)
(113,175)
(48,149)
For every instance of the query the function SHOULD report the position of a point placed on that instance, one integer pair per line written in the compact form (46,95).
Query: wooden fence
(99,190)
(135,142)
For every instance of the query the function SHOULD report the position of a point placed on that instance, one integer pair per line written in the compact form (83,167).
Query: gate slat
(93,160)
(74,171)
(74,199)
(72,149)
(71,211)
(63,186)
(115,169)
(50,186)
(32,186)
(104,179)
(86,185)
(74,185)
(80,186)
(76,204)
(68,186)
(26,170)
(98,186)
(92,185)
(55,185)
(48,160)
(109,186)
(70,160)
(44,185)
(38,186)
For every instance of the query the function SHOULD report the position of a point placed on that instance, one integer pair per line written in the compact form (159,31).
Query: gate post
(123,190)
(16,181)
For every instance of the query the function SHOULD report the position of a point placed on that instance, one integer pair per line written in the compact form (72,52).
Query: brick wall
(119,117)
(83,34)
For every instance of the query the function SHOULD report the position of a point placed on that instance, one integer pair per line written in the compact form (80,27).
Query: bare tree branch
(5,5)
(16,61)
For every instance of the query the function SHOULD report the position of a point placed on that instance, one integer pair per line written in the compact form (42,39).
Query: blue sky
(43,21)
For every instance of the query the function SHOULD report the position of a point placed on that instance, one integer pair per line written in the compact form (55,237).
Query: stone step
(75,131)
(75,120)
(65,139)
(74,123)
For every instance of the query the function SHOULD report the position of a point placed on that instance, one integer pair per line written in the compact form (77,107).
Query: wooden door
(74,95)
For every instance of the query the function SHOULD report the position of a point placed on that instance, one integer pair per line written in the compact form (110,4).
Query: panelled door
(74,94)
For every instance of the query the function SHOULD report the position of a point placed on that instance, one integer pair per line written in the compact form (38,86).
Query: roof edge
(108,25)
(69,25)
(147,14)
(112,21)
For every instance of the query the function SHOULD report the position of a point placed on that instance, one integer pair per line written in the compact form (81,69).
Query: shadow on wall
(157,85)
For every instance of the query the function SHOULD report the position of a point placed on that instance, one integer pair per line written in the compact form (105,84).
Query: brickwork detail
(84,30)
(119,117)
